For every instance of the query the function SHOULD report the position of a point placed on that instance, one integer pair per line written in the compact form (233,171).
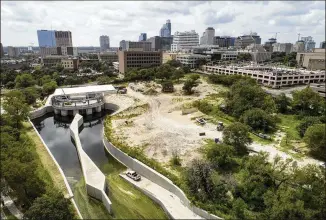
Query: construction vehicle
(201,121)
(220,126)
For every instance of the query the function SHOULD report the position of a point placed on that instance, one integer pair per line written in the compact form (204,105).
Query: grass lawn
(257,139)
(89,208)
(46,159)
(292,139)
(127,201)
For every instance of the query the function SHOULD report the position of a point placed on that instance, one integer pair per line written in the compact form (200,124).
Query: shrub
(258,120)
(306,123)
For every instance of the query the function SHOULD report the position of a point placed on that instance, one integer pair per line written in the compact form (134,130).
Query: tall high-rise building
(52,38)
(168,24)
(122,45)
(138,46)
(224,41)
(142,37)
(208,36)
(309,43)
(185,40)
(104,43)
(63,39)
(269,44)
(322,45)
(46,38)
(1,50)
(165,31)
(160,43)
(245,40)
(283,47)
(13,51)
(299,46)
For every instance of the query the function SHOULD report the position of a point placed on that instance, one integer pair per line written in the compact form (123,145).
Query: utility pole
(276,34)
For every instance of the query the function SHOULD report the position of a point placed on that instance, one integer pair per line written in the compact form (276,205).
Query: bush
(306,123)
(175,160)
(315,138)
(227,80)
(258,120)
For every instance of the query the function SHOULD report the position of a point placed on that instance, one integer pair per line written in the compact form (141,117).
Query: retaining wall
(71,195)
(154,176)
(94,179)
(40,112)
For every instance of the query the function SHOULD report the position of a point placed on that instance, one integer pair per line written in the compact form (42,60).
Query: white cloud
(126,20)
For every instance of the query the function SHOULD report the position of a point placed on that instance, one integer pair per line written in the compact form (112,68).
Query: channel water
(54,130)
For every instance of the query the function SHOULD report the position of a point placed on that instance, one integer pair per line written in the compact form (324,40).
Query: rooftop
(84,89)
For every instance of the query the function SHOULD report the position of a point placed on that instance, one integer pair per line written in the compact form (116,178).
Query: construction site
(166,124)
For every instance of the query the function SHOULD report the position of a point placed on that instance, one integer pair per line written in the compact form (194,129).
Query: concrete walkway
(12,207)
(171,202)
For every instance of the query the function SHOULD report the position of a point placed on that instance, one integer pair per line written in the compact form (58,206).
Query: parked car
(133,175)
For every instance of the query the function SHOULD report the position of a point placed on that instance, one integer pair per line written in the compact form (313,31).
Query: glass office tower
(46,38)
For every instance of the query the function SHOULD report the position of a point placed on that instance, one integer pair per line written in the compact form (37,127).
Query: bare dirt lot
(156,124)
(162,129)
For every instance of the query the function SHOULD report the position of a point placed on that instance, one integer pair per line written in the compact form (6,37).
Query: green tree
(186,69)
(45,79)
(201,62)
(282,103)
(164,72)
(178,74)
(50,206)
(204,183)
(16,109)
(24,80)
(188,85)
(306,123)
(221,156)
(31,95)
(308,102)
(244,95)
(103,80)
(10,85)
(49,87)
(244,57)
(269,104)
(258,120)
(237,135)
(315,138)
(174,63)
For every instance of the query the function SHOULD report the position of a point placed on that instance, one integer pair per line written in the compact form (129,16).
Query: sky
(125,20)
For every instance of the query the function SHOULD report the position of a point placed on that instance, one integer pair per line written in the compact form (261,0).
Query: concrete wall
(155,177)
(71,195)
(94,179)
(40,112)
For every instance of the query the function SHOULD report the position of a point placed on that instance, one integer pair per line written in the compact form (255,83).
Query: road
(170,201)
(287,91)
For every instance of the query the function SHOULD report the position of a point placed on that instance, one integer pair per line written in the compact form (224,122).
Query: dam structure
(83,100)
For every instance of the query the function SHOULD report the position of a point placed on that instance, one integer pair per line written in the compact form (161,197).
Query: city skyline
(19,26)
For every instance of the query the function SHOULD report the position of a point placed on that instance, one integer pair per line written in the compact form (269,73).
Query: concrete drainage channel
(95,180)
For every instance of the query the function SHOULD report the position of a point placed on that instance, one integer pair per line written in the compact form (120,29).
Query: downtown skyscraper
(104,42)
(165,31)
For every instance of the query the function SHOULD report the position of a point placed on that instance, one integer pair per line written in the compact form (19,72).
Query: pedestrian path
(11,206)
